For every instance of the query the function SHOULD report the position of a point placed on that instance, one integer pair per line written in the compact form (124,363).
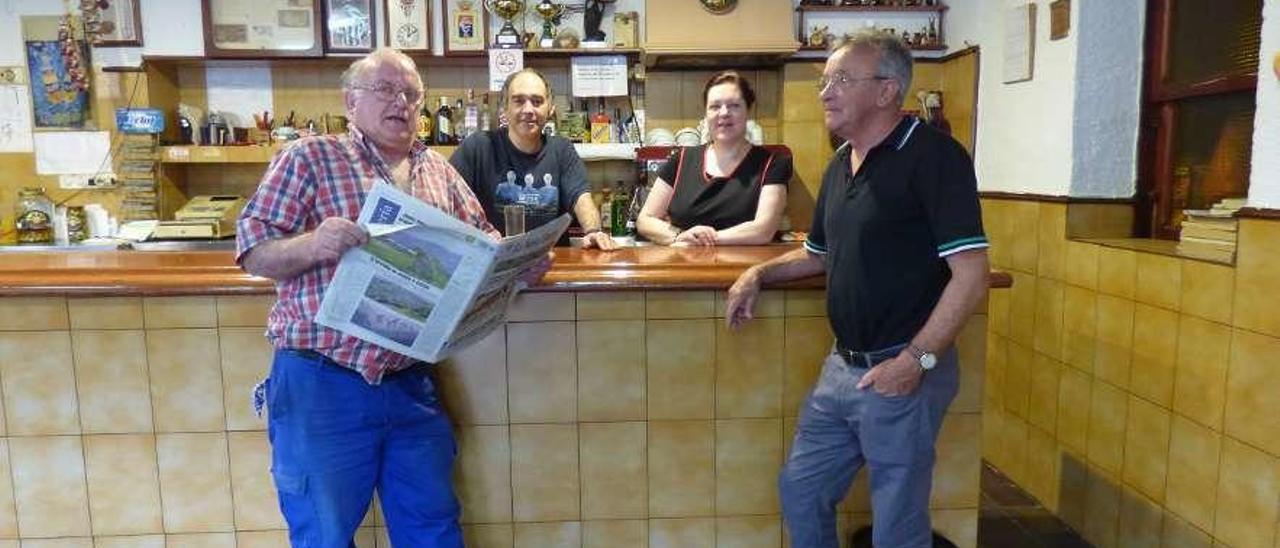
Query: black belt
(868,359)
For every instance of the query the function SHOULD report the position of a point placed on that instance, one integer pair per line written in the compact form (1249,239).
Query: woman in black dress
(727,192)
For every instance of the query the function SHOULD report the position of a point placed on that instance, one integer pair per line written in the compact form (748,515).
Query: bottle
(459,127)
(444,123)
(34,223)
(470,115)
(425,124)
(638,194)
(618,211)
(486,119)
(601,128)
(606,211)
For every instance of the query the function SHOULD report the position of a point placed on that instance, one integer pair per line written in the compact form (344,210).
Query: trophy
(550,12)
(507,36)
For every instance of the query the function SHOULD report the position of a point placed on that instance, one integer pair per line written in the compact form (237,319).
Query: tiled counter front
(624,419)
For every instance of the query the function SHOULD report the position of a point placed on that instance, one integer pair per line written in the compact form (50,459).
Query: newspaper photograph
(426,284)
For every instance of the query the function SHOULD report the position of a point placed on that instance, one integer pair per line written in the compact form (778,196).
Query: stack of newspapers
(1211,233)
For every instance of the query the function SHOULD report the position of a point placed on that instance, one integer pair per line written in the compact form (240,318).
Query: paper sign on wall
(503,63)
(599,76)
(15,118)
(73,152)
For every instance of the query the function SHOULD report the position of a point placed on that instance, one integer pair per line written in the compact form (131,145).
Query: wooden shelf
(251,154)
(939,47)
(421,58)
(904,9)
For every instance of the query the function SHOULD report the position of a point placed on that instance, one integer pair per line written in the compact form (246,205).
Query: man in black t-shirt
(898,231)
(518,165)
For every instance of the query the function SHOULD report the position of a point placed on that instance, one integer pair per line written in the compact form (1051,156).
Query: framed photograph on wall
(122,22)
(262,28)
(349,26)
(408,24)
(466,27)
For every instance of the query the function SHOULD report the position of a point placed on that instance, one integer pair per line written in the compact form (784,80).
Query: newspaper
(427,284)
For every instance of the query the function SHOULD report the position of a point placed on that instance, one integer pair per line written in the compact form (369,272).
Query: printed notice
(15,118)
(599,76)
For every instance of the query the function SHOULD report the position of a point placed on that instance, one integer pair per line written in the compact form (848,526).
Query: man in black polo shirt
(898,231)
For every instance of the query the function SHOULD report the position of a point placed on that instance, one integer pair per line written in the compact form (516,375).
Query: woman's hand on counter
(697,235)
(599,240)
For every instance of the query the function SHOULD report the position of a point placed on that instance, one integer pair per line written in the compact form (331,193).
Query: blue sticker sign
(139,120)
(385,213)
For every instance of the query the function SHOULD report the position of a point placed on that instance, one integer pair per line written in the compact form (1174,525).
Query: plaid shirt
(320,177)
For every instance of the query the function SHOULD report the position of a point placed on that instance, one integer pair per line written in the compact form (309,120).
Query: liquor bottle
(606,211)
(601,128)
(486,118)
(444,123)
(618,211)
(425,124)
(638,195)
(459,127)
(470,115)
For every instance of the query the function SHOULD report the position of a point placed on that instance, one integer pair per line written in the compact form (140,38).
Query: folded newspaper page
(427,284)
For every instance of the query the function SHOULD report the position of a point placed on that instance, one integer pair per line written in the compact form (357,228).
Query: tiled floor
(1010,518)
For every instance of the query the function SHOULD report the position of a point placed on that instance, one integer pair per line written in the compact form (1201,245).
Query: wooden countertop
(106,273)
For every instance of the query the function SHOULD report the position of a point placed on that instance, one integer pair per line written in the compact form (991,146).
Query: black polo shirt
(886,230)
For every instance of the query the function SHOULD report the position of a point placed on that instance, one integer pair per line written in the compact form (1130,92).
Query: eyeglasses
(389,93)
(843,81)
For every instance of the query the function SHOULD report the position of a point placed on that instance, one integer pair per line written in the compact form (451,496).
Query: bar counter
(117,273)
(614,408)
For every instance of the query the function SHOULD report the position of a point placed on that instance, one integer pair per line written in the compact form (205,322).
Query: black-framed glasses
(389,93)
(843,81)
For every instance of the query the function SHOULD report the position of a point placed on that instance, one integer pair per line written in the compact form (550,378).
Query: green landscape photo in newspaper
(421,252)
(398,299)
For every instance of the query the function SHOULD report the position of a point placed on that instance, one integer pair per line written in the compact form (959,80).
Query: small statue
(819,37)
(592,16)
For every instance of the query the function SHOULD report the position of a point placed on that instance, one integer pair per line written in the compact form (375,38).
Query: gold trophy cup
(508,37)
(550,12)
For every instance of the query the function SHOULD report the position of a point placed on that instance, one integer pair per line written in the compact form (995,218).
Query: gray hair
(895,60)
(357,71)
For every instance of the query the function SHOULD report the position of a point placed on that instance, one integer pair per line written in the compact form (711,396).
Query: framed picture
(466,27)
(125,22)
(262,28)
(349,26)
(408,24)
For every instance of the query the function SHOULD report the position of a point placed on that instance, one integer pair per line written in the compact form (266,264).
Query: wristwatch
(927,359)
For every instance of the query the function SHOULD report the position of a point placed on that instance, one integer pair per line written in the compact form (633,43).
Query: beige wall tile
(172,312)
(1017,380)
(1115,340)
(748,457)
(749,369)
(998,224)
(473,383)
(680,358)
(959,526)
(542,377)
(555,534)
(1177,533)
(492,535)
(681,469)
(611,305)
(993,390)
(1082,265)
(1155,354)
(542,307)
(201,540)
(1146,448)
(806,302)
(1013,442)
(971,343)
(1079,327)
(33,313)
(1052,230)
(49,486)
(615,481)
(1253,410)
(959,461)
(244,310)
(1043,409)
(544,472)
(682,532)
(186,380)
(105,312)
(262,539)
(1258,276)
(1023,249)
(1048,318)
(749,531)
(1200,387)
(1022,308)
(679,304)
(1194,454)
(1140,521)
(124,484)
(1117,271)
(1248,488)
(1159,281)
(807,343)
(39,383)
(252,489)
(8,511)
(482,474)
(66,542)
(195,482)
(1107,418)
(1073,410)
(611,370)
(1042,467)
(1102,511)
(139,541)
(111,379)
(629,533)
(770,304)
(1207,290)
(246,360)
(998,311)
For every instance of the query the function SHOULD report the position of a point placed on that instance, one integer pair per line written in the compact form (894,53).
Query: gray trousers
(840,429)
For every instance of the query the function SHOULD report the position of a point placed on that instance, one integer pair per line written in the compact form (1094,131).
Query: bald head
(360,71)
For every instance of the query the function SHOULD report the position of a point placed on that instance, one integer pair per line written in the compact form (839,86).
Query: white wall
(1264,182)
